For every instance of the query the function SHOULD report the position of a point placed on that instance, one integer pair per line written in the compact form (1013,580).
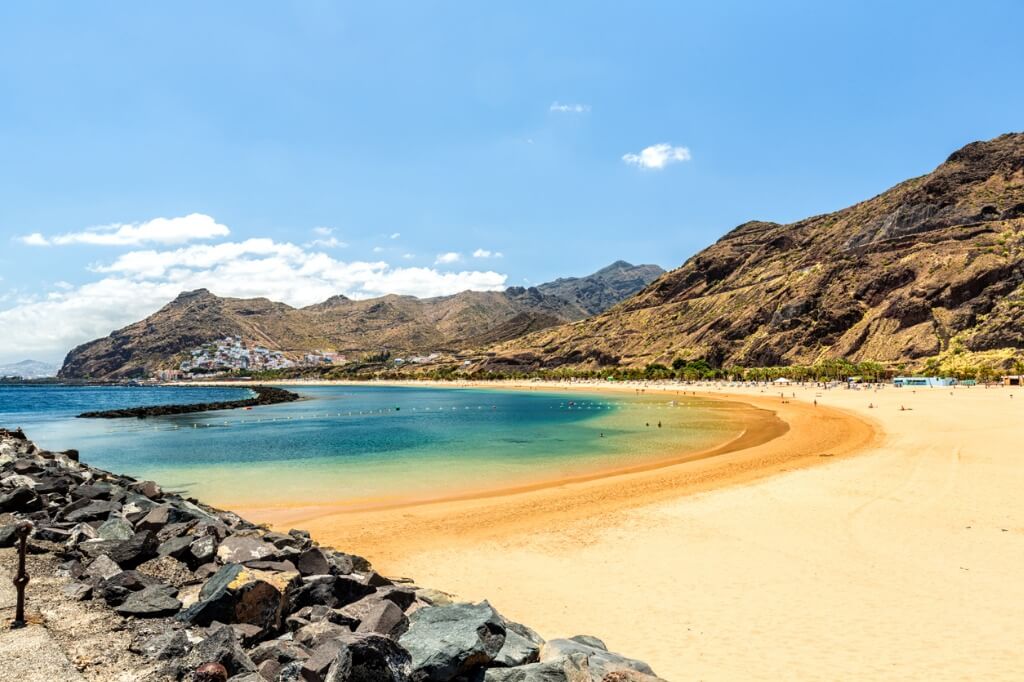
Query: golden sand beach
(864,541)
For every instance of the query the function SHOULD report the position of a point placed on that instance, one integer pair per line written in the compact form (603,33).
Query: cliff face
(936,262)
(402,324)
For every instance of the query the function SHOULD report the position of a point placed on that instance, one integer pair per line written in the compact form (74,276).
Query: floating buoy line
(570,405)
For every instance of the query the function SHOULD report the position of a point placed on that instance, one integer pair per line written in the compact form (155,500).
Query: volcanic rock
(448,641)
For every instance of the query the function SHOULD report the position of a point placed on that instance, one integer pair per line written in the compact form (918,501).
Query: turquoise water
(365,445)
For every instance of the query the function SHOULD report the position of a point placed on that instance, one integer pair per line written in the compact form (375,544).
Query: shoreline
(794,559)
(849,546)
(758,426)
(765,447)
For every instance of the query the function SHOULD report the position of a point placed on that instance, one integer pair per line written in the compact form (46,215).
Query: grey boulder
(150,602)
(450,641)
(522,646)
(571,668)
(600,660)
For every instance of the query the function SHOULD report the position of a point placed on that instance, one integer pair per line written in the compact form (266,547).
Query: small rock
(385,618)
(8,538)
(159,516)
(316,667)
(522,646)
(375,658)
(168,645)
(151,602)
(82,532)
(279,651)
(21,499)
(77,591)
(92,491)
(130,553)
(50,534)
(101,568)
(402,597)
(115,589)
(600,660)
(319,633)
(313,562)
(94,510)
(329,590)
(203,549)
(434,597)
(115,528)
(147,489)
(220,646)
(572,668)
(19,480)
(239,548)
(591,641)
(248,634)
(175,547)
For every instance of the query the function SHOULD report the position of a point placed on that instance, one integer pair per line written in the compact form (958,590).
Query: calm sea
(365,445)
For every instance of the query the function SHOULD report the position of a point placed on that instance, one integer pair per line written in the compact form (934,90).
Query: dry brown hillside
(933,264)
(403,324)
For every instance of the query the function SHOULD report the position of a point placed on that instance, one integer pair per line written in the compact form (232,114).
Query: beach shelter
(782,381)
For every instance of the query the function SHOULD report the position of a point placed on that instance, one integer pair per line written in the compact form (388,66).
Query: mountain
(934,265)
(606,287)
(401,324)
(29,369)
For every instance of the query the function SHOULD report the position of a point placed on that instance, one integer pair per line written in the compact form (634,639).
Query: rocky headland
(162,587)
(265,395)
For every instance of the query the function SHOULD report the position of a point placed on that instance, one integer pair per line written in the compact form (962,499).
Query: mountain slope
(28,369)
(934,264)
(402,324)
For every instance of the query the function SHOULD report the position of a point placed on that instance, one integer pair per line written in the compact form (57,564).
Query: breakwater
(265,395)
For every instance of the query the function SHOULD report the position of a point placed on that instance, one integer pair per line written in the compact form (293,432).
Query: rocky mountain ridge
(934,265)
(401,324)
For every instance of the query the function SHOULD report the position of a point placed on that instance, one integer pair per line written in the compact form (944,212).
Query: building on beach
(930,382)
(1013,380)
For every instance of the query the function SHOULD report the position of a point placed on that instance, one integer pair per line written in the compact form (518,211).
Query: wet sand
(860,543)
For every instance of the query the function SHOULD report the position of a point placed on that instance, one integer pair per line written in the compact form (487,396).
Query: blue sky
(415,134)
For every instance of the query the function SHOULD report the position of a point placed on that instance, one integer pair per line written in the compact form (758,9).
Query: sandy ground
(861,543)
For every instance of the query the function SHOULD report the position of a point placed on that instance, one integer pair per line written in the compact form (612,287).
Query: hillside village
(233,354)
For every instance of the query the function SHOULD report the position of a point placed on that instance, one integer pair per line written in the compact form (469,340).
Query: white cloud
(657,156)
(378,249)
(484,253)
(138,283)
(34,239)
(569,108)
(408,256)
(448,258)
(395,235)
(167,231)
(325,239)
(328,243)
